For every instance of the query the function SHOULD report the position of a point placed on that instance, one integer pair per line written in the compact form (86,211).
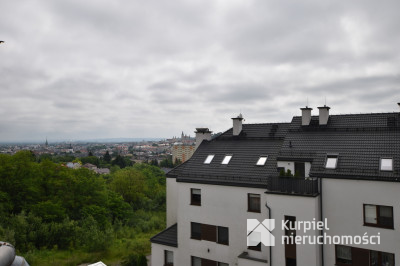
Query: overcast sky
(100,69)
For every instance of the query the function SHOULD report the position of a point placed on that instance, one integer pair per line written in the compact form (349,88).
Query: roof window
(209,159)
(331,161)
(386,164)
(226,159)
(262,160)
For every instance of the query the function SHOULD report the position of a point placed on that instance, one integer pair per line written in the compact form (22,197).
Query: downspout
(270,247)
(322,217)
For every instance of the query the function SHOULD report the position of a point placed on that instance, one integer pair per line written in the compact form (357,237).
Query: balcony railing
(293,185)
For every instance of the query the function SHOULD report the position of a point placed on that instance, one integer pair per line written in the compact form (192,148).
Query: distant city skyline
(99,69)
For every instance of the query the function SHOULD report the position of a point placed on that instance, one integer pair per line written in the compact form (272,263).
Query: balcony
(300,186)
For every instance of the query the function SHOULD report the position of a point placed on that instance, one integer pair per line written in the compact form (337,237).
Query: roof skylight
(386,164)
(262,160)
(331,161)
(209,159)
(226,159)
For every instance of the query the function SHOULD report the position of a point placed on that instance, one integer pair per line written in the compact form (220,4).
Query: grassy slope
(118,249)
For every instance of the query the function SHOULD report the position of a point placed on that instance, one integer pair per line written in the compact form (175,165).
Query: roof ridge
(355,114)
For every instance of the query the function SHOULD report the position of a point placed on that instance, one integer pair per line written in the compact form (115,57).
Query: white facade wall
(343,207)
(172,201)
(342,202)
(220,206)
(304,209)
(157,254)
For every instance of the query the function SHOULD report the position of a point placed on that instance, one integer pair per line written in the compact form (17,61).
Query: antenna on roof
(307,102)
(325,100)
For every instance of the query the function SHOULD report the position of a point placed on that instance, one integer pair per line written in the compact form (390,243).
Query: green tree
(107,157)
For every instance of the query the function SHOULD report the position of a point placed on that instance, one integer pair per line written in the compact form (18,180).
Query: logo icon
(260,232)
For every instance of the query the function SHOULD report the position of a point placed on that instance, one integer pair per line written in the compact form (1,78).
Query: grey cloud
(86,69)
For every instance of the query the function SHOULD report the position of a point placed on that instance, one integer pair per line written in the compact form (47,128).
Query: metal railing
(293,185)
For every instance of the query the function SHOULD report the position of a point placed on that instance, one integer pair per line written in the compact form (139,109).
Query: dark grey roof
(360,140)
(254,141)
(168,237)
(260,131)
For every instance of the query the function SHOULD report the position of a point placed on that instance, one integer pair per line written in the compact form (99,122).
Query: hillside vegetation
(54,215)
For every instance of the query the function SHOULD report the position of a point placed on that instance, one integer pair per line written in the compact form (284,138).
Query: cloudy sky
(101,69)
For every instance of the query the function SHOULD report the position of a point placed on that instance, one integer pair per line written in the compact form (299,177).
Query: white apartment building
(345,172)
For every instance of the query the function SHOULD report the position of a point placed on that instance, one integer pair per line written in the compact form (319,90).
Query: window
(358,256)
(379,216)
(299,169)
(168,258)
(378,258)
(386,164)
(331,161)
(209,159)
(262,160)
(196,261)
(223,235)
(209,232)
(195,229)
(226,159)
(195,196)
(253,202)
(343,255)
(222,264)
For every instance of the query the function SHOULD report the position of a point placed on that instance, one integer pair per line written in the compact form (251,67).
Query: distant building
(102,171)
(90,166)
(73,165)
(182,152)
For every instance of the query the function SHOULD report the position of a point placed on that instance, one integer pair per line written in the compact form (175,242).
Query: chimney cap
(306,108)
(324,107)
(202,130)
(239,117)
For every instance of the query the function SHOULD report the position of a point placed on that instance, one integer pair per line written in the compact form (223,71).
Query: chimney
(323,115)
(202,133)
(237,125)
(305,116)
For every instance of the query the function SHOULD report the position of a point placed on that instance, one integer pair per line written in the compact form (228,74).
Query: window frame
(336,255)
(194,202)
(195,258)
(194,235)
(331,156)
(249,209)
(380,164)
(227,159)
(378,217)
(218,237)
(166,258)
(210,160)
(261,158)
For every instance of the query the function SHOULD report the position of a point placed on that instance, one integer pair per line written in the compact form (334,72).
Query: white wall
(304,209)
(286,165)
(172,201)
(343,207)
(157,254)
(221,206)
